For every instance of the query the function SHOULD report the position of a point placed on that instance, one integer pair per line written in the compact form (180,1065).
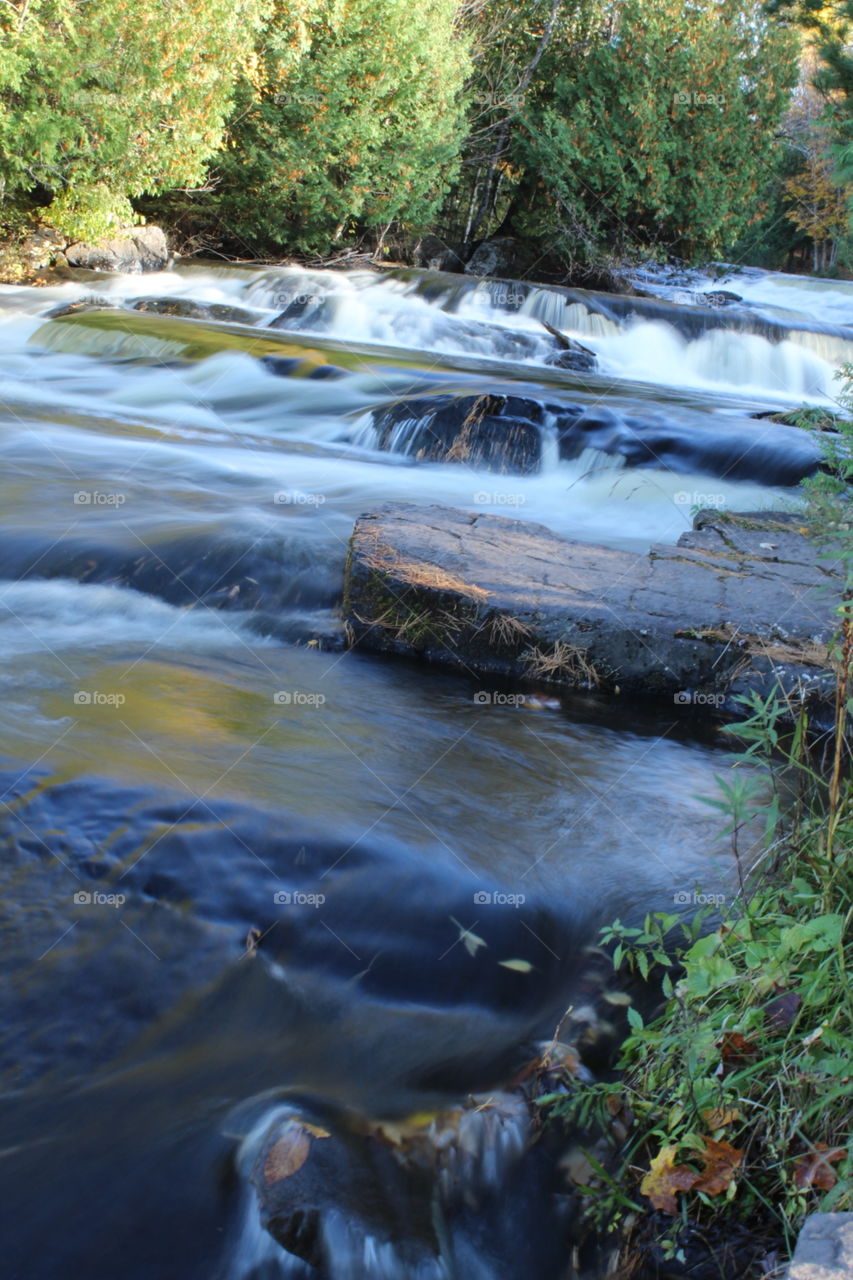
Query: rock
(719,297)
(432,253)
(739,602)
(504,256)
(188,310)
(133,249)
(502,433)
(30,260)
(824,1249)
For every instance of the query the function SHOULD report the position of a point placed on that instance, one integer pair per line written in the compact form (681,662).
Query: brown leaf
(782,1011)
(720,1160)
(736,1051)
(813,1169)
(289,1153)
(665,1178)
(719,1117)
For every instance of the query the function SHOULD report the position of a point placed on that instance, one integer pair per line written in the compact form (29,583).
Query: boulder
(133,249)
(504,256)
(739,603)
(30,260)
(433,254)
(824,1249)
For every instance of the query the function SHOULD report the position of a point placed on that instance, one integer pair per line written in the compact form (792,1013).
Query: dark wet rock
(93,303)
(506,433)
(731,452)
(499,432)
(570,354)
(188,310)
(231,572)
(719,297)
(737,604)
(134,249)
(434,254)
(297,367)
(503,256)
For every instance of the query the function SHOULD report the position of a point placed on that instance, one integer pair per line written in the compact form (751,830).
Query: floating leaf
(518,966)
(814,1169)
(665,1178)
(289,1153)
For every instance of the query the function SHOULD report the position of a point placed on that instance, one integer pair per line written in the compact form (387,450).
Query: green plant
(734,1098)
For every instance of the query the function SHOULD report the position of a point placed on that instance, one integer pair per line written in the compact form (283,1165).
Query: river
(243,867)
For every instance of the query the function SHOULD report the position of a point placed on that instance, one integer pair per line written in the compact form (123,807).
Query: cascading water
(193,759)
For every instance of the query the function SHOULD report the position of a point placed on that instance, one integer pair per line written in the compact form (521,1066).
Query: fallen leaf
(736,1051)
(289,1153)
(665,1178)
(782,1011)
(813,1169)
(720,1160)
(719,1117)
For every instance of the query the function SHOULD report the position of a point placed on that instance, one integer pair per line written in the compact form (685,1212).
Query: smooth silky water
(143,1042)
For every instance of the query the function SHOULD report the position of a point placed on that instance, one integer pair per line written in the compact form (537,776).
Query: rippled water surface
(191,755)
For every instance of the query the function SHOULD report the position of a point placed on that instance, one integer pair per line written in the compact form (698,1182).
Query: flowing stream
(191,756)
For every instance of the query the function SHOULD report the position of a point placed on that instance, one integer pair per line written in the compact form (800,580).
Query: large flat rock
(738,603)
(825,1248)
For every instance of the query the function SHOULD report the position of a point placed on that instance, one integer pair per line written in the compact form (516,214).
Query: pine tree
(662,134)
(349,115)
(102,100)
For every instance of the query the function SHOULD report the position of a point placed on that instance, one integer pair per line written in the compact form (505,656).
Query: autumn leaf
(813,1169)
(289,1153)
(736,1052)
(719,1117)
(665,1178)
(720,1160)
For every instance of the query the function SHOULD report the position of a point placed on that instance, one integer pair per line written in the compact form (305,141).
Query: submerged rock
(739,603)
